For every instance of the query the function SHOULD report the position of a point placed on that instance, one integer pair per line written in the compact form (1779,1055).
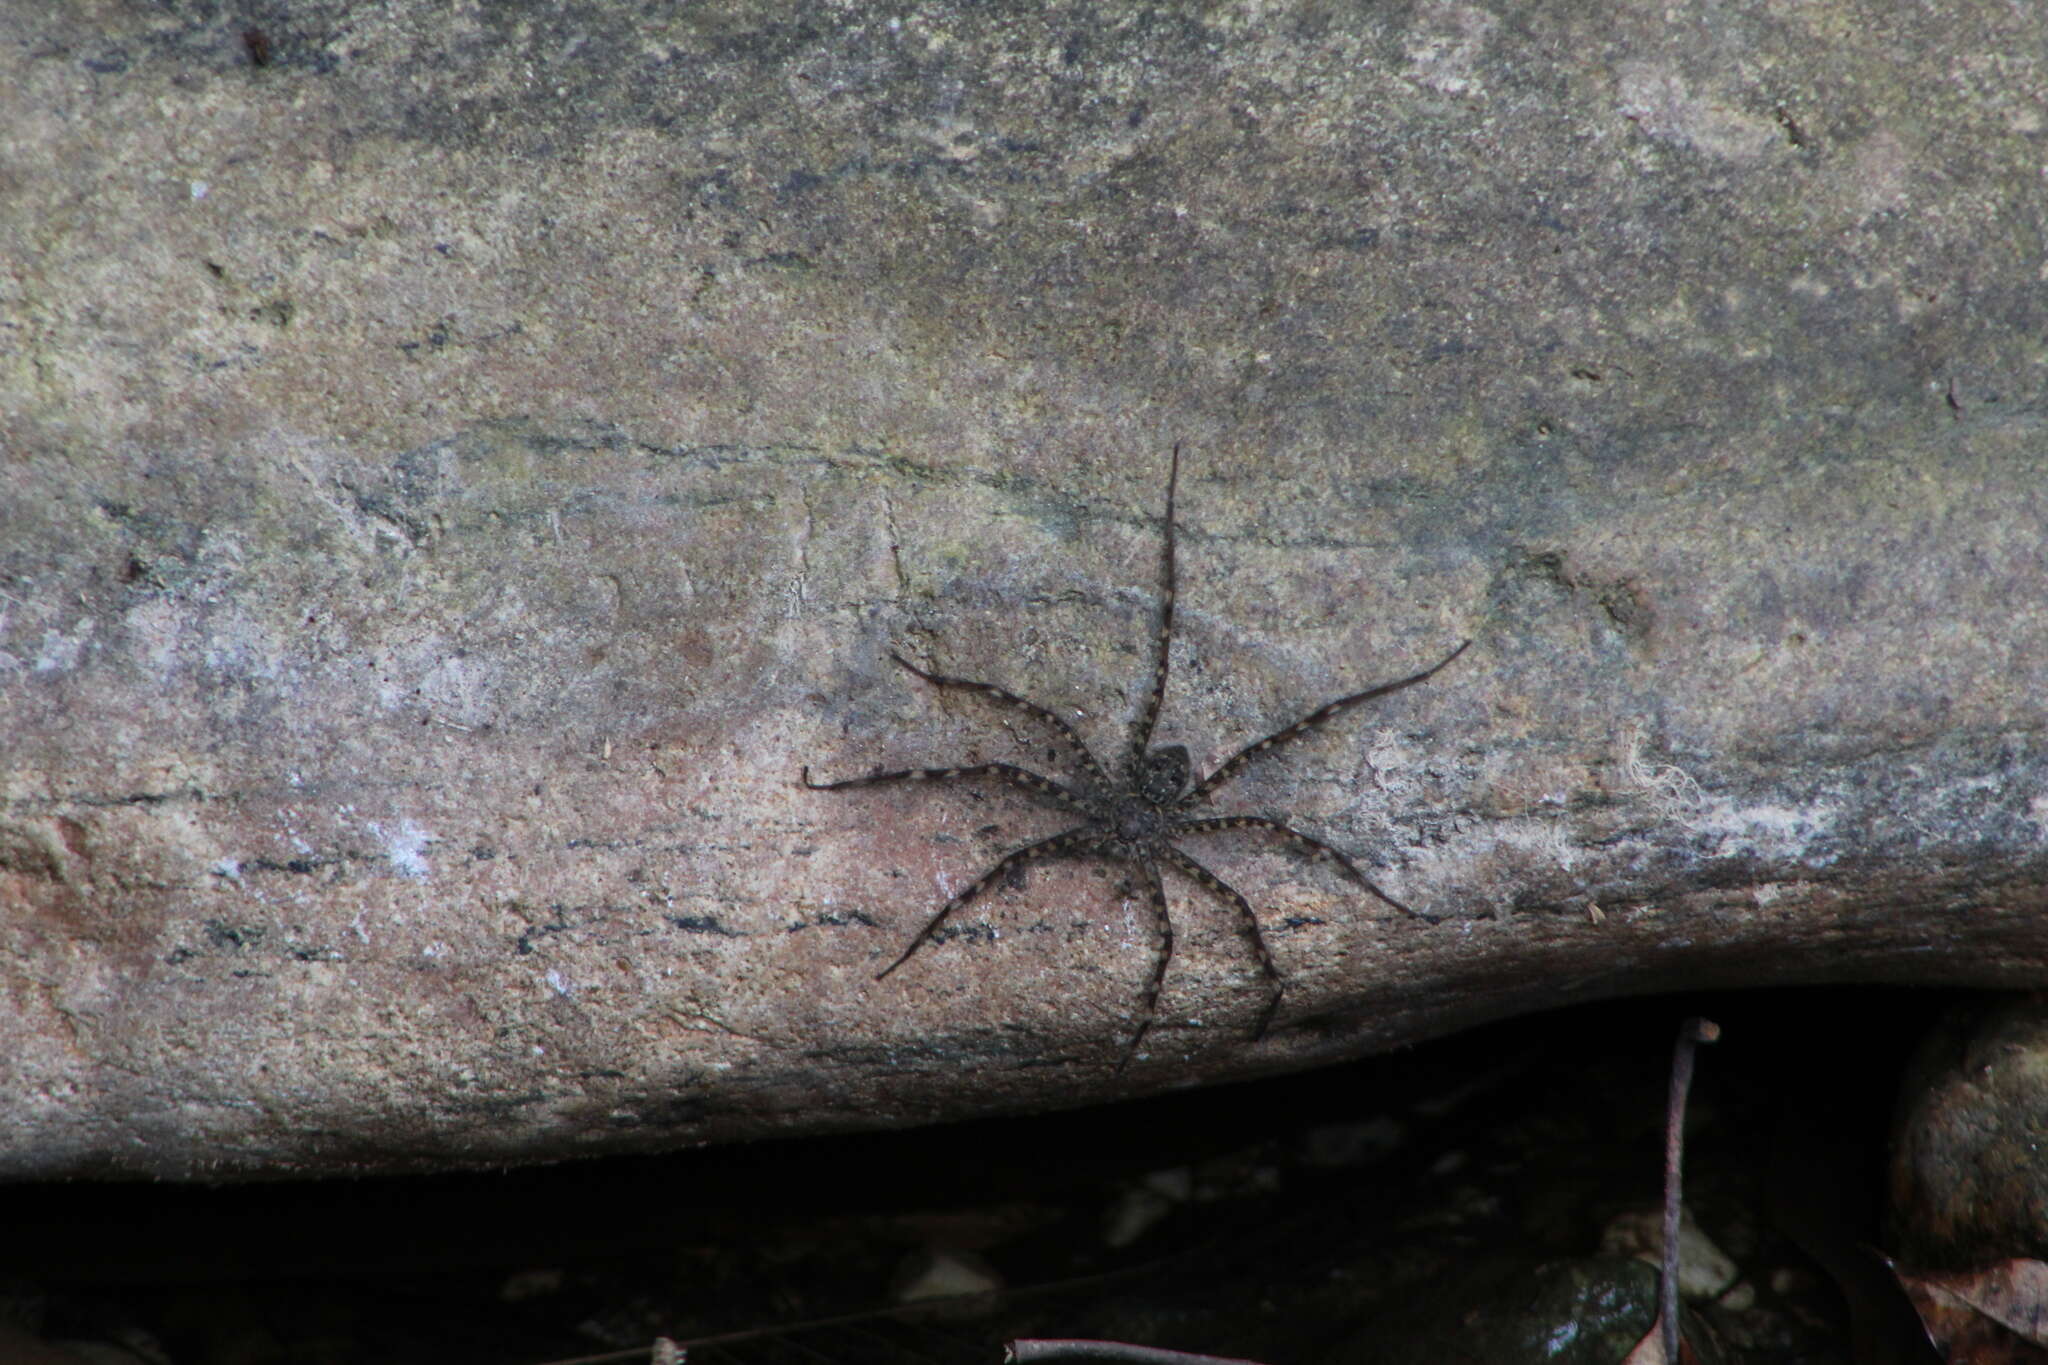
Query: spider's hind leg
(1321,851)
(1155,891)
(1248,920)
(1079,840)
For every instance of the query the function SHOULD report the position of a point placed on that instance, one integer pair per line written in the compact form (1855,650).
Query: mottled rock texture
(1968,1187)
(459,466)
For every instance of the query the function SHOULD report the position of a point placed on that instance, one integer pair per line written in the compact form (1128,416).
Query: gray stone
(1968,1190)
(459,469)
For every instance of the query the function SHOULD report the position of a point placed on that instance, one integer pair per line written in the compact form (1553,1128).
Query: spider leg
(1141,733)
(1030,708)
(1310,722)
(1017,777)
(1322,851)
(1155,890)
(1081,838)
(1249,921)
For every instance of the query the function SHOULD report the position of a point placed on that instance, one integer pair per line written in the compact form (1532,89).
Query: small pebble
(1704,1270)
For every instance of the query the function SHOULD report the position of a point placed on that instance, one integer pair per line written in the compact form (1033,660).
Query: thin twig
(1691,1034)
(1024,1352)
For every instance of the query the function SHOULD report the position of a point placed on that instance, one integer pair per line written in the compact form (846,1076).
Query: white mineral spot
(406,847)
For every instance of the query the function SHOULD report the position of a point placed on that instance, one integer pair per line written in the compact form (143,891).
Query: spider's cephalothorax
(1136,818)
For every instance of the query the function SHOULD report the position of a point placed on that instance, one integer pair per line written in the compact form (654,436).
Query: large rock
(1968,1188)
(459,469)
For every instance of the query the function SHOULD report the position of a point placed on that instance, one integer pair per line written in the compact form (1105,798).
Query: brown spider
(1135,818)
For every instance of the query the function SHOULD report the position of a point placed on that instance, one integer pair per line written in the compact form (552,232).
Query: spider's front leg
(1035,783)
(1318,717)
(1051,718)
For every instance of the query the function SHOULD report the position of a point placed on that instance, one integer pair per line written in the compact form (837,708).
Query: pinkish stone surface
(453,476)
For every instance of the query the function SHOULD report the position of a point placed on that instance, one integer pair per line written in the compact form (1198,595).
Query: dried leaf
(1650,1350)
(1994,1316)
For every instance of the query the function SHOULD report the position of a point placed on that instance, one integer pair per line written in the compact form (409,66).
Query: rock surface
(457,464)
(1968,1190)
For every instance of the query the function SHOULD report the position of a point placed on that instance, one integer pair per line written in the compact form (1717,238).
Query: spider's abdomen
(1163,775)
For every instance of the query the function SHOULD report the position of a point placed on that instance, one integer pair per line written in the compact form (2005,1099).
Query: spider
(1135,816)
